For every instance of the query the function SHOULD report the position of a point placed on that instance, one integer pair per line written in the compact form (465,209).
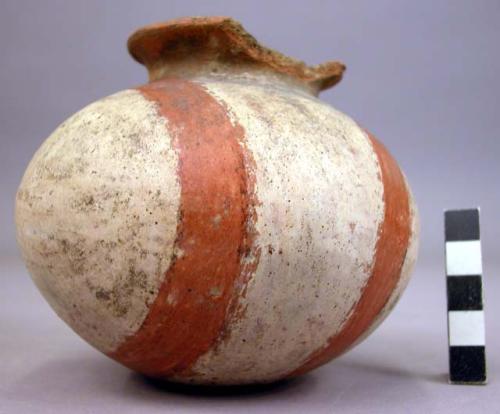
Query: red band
(394,236)
(215,229)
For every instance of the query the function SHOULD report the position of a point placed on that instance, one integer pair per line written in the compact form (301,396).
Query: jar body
(217,230)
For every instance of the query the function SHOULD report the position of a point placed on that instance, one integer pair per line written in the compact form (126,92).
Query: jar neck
(211,47)
(250,74)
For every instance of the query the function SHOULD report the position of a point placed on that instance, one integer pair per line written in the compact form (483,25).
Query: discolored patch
(214,254)
(96,216)
(391,248)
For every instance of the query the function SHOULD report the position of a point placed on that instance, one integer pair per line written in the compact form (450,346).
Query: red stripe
(215,231)
(394,236)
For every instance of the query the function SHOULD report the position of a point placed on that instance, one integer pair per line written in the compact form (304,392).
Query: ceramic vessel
(220,224)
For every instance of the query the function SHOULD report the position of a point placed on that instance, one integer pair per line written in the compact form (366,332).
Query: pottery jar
(219,224)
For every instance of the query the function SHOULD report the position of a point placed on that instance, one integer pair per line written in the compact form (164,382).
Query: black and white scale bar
(465,297)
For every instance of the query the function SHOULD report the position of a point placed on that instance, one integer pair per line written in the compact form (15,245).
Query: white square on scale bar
(466,328)
(463,258)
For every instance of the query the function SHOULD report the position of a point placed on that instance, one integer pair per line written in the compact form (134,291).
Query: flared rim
(224,39)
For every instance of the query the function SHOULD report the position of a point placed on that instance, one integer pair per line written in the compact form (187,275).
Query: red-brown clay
(226,41)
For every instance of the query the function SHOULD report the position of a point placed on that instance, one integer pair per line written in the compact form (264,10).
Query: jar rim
(223,39)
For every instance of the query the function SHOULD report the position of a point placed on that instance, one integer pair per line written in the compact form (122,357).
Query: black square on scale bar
(462,225)
(464,293)
(467,365)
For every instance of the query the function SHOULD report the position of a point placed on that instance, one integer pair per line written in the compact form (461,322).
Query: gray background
(422,76)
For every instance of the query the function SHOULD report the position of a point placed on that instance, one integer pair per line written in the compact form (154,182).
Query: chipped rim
(164,41)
